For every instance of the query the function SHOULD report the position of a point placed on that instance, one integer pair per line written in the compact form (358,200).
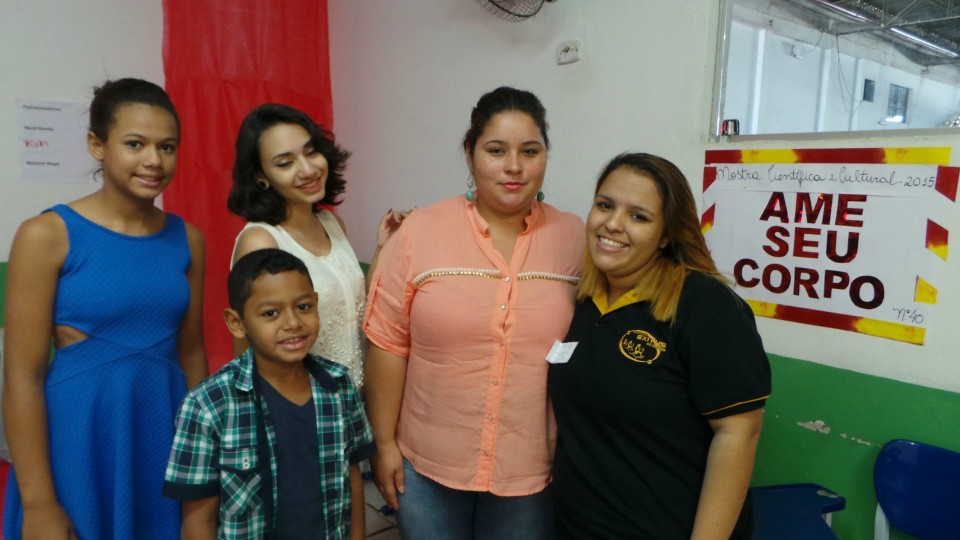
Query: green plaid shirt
(217,450)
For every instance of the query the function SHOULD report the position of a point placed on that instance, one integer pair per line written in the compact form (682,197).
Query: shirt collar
(326,372)
(244,378)
(600,300)
(481,226)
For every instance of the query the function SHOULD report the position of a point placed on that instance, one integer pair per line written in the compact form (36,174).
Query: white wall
(405,75)
(59,50)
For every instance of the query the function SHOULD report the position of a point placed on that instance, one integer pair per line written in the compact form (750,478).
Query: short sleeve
(729,372)
(192,469)
(386,320)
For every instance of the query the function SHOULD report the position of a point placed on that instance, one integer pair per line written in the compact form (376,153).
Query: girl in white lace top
(286,168)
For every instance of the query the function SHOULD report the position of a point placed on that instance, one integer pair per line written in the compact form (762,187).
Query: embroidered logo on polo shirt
(640,346)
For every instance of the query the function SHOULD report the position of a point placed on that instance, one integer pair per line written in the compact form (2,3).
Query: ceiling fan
(513,10)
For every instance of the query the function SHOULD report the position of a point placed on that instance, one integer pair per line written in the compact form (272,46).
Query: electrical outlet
(568,52)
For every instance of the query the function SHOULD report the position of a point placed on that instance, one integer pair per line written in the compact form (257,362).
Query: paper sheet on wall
(51,137)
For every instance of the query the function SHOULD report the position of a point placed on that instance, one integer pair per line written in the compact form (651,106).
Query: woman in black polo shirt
(659,406)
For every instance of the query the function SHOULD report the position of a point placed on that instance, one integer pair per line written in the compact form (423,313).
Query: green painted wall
(859,413)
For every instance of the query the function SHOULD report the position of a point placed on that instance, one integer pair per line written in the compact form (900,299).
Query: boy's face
(280,318)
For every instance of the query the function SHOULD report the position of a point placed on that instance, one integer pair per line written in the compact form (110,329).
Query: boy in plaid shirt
(269,445)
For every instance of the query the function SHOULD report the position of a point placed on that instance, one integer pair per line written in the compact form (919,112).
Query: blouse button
(495,382)
(489,419)
(503,306)
(507,279)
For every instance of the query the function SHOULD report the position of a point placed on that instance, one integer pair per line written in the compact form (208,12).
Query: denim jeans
(430,511)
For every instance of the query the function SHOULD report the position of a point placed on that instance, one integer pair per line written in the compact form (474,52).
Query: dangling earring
(263,184)
(471,193)
(540,196)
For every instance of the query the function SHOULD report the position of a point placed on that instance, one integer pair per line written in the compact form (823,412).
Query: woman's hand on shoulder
(389,223)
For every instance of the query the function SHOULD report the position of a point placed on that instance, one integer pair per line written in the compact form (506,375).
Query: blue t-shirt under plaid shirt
(217,451)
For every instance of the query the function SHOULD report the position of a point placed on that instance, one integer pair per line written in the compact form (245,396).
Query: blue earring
(471,193)
(540,196)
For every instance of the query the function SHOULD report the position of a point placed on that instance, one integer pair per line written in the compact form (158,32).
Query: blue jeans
(430,511)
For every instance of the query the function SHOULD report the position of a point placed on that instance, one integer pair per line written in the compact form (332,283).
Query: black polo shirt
(632,407)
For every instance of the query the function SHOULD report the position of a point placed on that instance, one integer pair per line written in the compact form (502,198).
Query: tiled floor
(379,527)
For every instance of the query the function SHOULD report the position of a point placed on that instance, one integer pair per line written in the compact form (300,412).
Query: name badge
(560,353)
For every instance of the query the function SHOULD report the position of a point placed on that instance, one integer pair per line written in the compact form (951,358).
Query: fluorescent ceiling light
(902,33)
(843,11)
(922,42)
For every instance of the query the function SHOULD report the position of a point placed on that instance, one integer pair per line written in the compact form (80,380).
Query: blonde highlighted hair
(686,250)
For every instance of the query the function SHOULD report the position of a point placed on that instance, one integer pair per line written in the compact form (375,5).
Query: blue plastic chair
(794,512)
(918,491)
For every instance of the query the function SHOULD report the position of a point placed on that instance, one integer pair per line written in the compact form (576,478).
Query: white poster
(52,141)
(817,237)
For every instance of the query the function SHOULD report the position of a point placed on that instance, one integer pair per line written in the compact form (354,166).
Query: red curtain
(222,59)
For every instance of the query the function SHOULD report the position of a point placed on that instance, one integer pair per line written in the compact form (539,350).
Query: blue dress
(112,398)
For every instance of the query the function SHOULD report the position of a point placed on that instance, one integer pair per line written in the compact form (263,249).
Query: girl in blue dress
(115,285)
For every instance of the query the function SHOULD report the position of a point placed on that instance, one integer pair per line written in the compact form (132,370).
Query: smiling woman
(625,229)
(116,284)
(658,406)
(287,170)
(141,155)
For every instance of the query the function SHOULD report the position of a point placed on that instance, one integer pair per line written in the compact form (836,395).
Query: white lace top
(340,290)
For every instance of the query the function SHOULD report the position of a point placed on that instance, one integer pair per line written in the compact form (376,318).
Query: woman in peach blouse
(470,294)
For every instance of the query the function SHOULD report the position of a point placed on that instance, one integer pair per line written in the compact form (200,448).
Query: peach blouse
(475,332)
